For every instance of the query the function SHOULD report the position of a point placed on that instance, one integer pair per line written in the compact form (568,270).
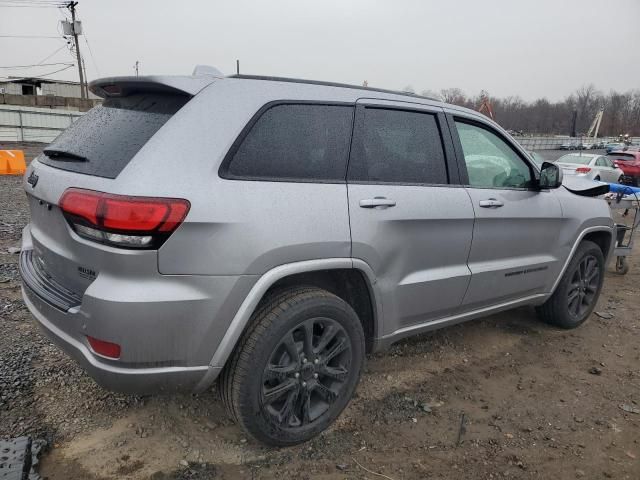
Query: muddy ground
(534,402)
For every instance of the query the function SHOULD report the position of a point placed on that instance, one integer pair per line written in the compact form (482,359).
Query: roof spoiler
(176,85)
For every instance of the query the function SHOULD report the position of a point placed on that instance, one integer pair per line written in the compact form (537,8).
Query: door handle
(377,202)
(491,203)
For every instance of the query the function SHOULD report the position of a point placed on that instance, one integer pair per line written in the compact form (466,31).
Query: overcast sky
(531,48)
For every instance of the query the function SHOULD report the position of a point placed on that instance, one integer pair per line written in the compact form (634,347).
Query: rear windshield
(105,139)
(623,157)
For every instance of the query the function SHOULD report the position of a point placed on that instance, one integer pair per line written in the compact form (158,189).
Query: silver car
(591,166)
(269,232)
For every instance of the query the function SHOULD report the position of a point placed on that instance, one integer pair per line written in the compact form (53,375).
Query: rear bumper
(168,326)
(112,377)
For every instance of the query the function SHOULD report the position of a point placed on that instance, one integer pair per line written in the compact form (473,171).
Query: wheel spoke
(338,347)
(308,338)
(284,415)
(336,373)
(327,395)
(278,372)
(328,334)
(573,295)
(304,406)
(292,349)
(272,394)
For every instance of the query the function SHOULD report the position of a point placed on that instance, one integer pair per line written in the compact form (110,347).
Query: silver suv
(269,232)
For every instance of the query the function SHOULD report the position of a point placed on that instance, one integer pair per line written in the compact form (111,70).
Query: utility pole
(136,68)
(237,67)
(72,7)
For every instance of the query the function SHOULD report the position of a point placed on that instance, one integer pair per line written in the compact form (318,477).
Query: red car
(629,162)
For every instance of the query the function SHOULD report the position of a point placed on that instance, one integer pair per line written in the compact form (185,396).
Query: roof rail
(330,84)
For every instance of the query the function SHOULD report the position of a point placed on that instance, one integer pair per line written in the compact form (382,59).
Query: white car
(591,166)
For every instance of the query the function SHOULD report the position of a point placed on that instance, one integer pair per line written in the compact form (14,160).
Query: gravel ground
(533,402)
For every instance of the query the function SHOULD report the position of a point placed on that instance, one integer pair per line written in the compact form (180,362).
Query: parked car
(610,147)
(587,145)
(629,163)
(599,144)
(269,232)
(590,165)
(569,145)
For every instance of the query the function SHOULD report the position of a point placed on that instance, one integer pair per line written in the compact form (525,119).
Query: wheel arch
(345,277)
(600,235)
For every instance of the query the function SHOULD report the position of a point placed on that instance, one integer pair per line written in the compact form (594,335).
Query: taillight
(122,220)
(583,170)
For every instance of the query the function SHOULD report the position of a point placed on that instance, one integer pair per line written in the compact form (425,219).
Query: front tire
(296,367)
(577,293)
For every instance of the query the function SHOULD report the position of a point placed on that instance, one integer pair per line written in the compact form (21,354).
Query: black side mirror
(550,176)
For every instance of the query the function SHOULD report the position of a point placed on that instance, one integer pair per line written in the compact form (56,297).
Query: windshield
(579,159)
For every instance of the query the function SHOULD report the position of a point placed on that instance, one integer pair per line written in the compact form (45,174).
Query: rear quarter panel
(237,227)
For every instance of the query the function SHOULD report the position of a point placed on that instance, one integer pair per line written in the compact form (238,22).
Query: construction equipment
(485,105)
(12,162)
(595,125)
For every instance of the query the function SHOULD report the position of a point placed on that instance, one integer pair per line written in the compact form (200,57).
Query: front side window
(397,146)
(490,161)
(296,142)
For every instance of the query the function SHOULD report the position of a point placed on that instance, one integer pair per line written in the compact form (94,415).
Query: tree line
(543,117)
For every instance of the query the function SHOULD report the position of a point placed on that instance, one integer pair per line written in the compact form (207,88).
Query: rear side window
(397,146)
(295,142)
(104,140)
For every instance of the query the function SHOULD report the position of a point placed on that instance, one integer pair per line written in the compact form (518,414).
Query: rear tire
(296,367)
(577,293)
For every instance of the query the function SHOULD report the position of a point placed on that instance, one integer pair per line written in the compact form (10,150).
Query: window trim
(445,138)
(223,170)
(462,166)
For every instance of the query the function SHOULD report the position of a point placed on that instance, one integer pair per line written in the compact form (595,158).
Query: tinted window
(105,139)
(490,161)
(398,146)
(296,142)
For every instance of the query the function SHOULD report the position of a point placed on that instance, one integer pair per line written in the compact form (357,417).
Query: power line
(31,36)
(44,74)
(12,67)
(51,55)
(93,59)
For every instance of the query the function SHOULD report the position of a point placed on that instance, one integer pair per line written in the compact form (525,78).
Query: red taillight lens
(583,170)
(126,221)
(106,349)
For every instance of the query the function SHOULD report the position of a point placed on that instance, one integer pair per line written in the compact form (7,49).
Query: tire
(561,311)
(272,388)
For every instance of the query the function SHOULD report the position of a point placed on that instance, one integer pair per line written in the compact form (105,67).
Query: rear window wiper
(64,156)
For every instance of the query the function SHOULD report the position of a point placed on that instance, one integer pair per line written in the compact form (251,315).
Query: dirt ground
(503,397)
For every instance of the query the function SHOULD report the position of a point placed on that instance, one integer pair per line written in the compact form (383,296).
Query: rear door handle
(377,202)
(491,203)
